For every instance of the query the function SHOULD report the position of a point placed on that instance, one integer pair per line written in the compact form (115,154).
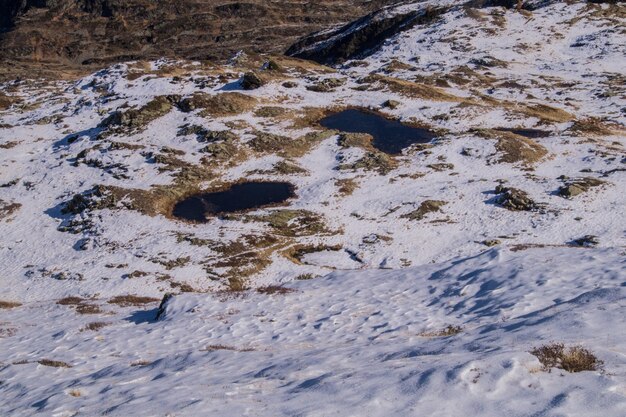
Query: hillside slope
(67,34)
(410,280)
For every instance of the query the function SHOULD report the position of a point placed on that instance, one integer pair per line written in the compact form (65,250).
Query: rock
(441,166)
(161,310)
(290,84)
(327,85)
(514,199)
(428,206)
(251,81)
(391,104)
(139,118)
(491,242)
(272,65)
(587,241)
(578,186)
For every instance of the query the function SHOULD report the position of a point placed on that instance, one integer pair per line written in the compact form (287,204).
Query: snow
(350,343)
(358,337)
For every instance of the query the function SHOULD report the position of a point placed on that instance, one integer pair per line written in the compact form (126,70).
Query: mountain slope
(390,283)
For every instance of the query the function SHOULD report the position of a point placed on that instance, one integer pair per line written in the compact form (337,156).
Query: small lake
(390,136)
(237,198)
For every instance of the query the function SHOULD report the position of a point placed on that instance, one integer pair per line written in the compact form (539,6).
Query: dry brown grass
(297,252)
(132,300)
(8,209)
(412,89)
(286,146)
(9,304)
(95,326)
(88,309)
(274,289)
(70,301)
(346,186)
(514,148)
(595,127)
(428,206)
(9,145)
(543,112)
(571,359)
(219,105)
(54,364)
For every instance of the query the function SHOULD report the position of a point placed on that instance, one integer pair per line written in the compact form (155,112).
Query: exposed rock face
(74,32)
(364,36)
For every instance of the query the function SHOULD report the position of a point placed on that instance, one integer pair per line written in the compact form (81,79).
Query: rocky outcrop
(514,199)
(364,36)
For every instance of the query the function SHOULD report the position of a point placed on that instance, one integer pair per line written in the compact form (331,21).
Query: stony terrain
(57,36)
(387,281)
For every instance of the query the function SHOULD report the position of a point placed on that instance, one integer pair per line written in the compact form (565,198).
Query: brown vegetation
(571,359)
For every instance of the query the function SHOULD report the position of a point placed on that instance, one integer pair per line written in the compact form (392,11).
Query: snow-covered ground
(360,335)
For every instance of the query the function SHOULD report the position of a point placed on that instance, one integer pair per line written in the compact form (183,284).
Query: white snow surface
(358,338)
(349,344)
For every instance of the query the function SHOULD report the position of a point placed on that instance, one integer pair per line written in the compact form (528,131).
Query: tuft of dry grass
(132,300)
(274,289)
(95,326)
(54,364)
(8,209)
(346,186)
(514,148)
(70,301)
(9,304)
(571,359)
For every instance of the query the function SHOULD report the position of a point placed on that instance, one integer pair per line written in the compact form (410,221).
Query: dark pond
(528,133)
(390,136)
(239,197)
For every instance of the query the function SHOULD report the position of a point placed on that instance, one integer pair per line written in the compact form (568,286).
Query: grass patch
(223,104)
(9,304)
(53,364)
(132,300)
(95,326)
(571,359)
(428,206)
(346,186)
(274,289)
(8,209)
(514,148)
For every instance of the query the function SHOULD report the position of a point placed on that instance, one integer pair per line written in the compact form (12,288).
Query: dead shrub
(571,359)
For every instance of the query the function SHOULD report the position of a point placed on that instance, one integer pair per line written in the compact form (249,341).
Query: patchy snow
(345,342)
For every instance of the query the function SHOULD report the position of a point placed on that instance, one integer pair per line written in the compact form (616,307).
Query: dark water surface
(390,136)
(239,197)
